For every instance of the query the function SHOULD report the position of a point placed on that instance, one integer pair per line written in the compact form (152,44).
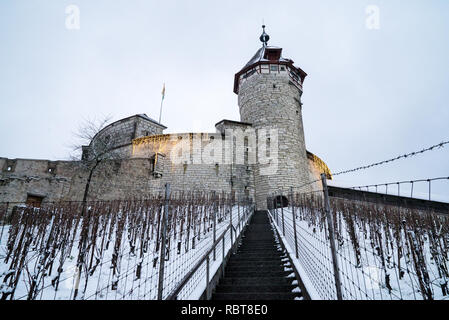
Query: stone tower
(269,89)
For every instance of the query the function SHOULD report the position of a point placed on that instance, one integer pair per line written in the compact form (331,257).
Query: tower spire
(264,37)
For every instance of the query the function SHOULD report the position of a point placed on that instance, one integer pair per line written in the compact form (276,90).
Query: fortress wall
(134,175)
(145,128)
(113,179)
(121,133)
(198,167)
(33,177)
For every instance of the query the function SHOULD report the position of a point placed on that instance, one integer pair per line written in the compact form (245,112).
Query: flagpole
(160,112)
(162,101)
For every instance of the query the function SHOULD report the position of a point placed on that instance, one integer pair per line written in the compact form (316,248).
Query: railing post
(330,225)
(5,217)
(294,222)
(282,213)
(3,220)
(223,256)
(160,288)
(230,223)
(215,220)
(275,201)
(238,213)
(207,277)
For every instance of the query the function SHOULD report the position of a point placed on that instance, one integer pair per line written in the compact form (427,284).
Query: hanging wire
(407,155)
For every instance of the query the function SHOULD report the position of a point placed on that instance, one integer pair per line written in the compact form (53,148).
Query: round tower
(269,89)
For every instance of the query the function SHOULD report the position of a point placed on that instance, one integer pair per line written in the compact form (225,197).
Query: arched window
(280,202)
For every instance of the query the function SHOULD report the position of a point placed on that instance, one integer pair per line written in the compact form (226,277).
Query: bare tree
(93,146)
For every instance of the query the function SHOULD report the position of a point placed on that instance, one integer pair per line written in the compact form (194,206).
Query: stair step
(266,288)
(256,296)
(258,256)
(256,270)
(255,281)
(259,274)
(249,268)
(239,261)
(257,264)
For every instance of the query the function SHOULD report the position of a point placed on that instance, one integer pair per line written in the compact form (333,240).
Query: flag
(163,92)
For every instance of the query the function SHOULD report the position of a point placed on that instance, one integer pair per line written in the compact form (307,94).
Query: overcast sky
(369,94)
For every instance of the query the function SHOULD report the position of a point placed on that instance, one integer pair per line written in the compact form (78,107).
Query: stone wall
(197,159)
(118,136)
(113,180)
(120,179)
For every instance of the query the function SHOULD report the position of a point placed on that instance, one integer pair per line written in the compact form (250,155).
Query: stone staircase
(259,270)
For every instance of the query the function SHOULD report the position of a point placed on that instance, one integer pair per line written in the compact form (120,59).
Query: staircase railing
(229,240)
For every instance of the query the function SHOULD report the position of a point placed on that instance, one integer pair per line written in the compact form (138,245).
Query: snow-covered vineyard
(383,252)
(112,250)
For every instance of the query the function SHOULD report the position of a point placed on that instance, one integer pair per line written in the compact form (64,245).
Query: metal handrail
(187,277)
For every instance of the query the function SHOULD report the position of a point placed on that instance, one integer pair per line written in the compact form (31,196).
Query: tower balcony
(272,68)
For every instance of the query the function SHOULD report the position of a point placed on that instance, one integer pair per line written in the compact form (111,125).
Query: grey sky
(369,94)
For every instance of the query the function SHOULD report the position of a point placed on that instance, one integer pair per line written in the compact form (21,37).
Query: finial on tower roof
(264,37)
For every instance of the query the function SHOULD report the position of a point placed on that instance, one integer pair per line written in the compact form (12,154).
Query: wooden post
(163,244)
(330,225)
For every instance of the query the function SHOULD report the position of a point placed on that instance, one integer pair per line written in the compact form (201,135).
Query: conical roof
(261,55)
(267,55)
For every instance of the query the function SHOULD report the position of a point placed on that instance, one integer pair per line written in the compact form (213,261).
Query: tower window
(273,68)
(294,75)
(273,54)
(249,73)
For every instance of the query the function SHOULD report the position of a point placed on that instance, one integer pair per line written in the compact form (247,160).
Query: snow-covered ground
(377,259)
(136,274)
